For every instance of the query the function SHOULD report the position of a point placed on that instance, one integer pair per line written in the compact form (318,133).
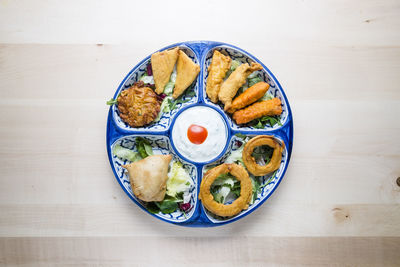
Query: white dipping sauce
(216,138)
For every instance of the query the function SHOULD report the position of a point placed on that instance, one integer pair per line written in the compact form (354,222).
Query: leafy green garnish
(269,179)
(256,189)
(267,96)
(172,104)
(225,185)
(125,153)
(167,206)
(253,81)
(152,207)
(191,93)
(235,63)
(236,156)
(148,149)
(144,147)
(112,101)
(263,152)
(240,135)
(271,120)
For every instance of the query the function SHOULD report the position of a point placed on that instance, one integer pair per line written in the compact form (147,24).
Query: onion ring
(239,204)
(251,163)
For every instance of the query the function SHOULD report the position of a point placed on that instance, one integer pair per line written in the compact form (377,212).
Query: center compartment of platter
(199,134)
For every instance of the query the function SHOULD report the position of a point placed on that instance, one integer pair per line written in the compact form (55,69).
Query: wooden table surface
(339,64)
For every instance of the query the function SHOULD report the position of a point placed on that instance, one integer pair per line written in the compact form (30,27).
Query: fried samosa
(162,64)
(186,73)
(149,177)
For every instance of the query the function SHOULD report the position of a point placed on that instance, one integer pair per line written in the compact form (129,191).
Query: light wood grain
(339,64)
(243,251)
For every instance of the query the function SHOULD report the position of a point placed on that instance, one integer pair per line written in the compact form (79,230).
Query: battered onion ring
(241,203)
(251,163)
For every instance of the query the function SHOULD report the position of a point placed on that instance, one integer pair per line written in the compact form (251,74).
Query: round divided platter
(159,134)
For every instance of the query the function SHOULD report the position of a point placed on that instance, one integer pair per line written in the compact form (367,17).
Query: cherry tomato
(197,134)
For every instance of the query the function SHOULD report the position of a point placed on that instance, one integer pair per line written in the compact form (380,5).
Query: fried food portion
(220,65)
(237,78)
(138,105)
(251,163)
(162,64)
(241,203)
(257,110)
(149,177)
(186,73)
(249,96)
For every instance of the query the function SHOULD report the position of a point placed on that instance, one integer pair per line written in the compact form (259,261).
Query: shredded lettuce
(171,84)
(169,88)
(235,156)
(144,147)
(147,79)
(125,153)
(253,81)
(235,63)
(164,107)
(225,188)
(179,180)
(253,75)
(222,194)
(173,75)
(267,96)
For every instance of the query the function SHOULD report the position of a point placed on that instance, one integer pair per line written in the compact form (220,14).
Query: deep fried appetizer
(138,105)
(249,96)
(220,65)
(239,204)
(237,78)
(250,162)
(162,64)
(149,177)
(186,73)
(257,110)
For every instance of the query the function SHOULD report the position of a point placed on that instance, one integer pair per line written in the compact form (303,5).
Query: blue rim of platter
(200,217)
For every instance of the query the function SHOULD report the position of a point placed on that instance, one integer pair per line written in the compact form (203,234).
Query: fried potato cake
(186,73)
(257,110)
(232,84)
(162,64)
(149,177)
(138,105)
(239,204)
(217,70)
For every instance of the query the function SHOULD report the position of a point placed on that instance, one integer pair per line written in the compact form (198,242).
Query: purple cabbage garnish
(161,97)
(149,70)
(185,207)
(238,143)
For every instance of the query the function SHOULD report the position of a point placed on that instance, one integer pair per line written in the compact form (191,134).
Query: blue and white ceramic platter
(159,134)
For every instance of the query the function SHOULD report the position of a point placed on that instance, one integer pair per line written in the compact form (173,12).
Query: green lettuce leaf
(125,153)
